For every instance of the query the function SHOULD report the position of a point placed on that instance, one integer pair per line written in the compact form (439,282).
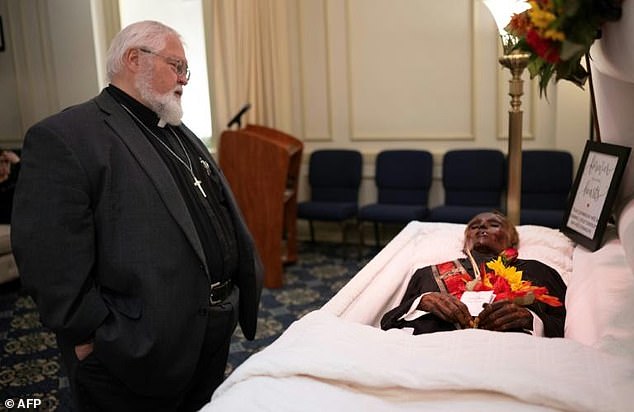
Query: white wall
(73,51)
(49,62)
(377,74)
(573,119)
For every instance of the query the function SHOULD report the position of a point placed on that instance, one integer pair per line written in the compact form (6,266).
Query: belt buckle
(211,294)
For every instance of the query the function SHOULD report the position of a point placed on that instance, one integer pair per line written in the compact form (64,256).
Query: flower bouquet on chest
(506,282)
(498,277)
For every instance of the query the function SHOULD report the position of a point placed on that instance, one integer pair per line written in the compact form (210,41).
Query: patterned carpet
(30,365)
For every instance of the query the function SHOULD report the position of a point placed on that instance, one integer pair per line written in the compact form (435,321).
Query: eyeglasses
(179,66)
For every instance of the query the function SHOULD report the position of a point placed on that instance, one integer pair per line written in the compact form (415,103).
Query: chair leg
(377,235)
(361,243)
(312,231)
(360,230)
(344,238)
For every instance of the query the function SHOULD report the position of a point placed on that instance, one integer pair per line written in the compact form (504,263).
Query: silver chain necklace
(188,165)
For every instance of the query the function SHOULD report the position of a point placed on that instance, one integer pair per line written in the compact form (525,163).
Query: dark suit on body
(423,281)
(106,245)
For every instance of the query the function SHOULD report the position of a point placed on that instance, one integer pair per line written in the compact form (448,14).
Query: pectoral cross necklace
(188,165)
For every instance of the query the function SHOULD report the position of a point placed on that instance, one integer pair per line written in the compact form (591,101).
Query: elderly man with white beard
(128,238)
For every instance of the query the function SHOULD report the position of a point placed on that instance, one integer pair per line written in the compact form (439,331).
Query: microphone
(237,118)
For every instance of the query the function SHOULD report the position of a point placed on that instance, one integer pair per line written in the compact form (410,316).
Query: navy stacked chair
(473,181)
(334,177)
(403,179)
(546,184)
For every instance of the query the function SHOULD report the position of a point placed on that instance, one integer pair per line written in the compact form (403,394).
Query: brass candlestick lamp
(516,62)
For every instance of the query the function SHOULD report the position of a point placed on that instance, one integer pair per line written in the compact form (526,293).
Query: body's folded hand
(447,307)
(505,315)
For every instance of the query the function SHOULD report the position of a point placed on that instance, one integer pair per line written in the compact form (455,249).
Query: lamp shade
(502,10)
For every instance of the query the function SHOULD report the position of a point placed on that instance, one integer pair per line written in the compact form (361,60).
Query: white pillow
(547,245)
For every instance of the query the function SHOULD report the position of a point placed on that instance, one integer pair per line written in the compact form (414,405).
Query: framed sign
(593,193)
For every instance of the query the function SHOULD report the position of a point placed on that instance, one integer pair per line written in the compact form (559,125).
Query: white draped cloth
(613,76)
(337,359)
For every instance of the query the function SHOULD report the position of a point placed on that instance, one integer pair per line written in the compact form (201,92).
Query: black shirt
(210,214)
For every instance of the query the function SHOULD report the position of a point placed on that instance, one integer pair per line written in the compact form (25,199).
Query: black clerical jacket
(106,246)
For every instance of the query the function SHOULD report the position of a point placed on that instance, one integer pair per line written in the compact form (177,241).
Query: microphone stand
(237,119)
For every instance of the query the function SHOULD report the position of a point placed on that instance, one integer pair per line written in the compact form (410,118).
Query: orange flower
(519,25)
(456,284)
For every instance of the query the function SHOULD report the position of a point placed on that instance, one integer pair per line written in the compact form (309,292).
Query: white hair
(147,33)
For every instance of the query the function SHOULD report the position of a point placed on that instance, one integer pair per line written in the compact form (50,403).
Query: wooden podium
(262,167)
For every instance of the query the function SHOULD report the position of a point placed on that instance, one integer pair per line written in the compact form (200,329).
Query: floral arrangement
(557,34)
(504,280)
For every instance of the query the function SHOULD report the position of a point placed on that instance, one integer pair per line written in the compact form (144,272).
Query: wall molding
(414,135)
(305,112)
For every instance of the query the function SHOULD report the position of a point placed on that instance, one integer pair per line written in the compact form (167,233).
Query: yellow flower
(541,18)
(554,35)
(512,275)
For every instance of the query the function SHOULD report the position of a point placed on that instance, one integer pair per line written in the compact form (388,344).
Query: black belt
(220,291)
